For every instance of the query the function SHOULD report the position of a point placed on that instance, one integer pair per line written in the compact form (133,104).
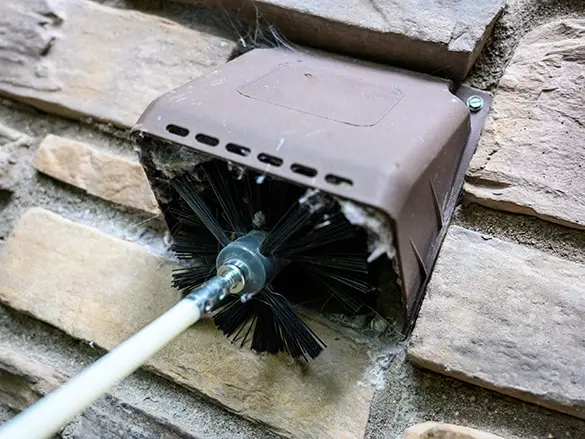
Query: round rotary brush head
(319,257)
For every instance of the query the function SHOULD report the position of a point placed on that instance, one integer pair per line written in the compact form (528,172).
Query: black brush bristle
(272,324)
(187,189)
(227,195)
(187,279)
(325,255)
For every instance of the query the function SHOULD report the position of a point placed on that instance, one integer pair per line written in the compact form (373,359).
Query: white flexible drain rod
(47,416)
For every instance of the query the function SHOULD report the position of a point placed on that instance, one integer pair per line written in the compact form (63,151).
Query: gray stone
(434,430)
(508,318)
(112,419)
(142,403)
(82,59)
(24,380)
(518,18)
(11,141)
(530,158)
(10,136)
(443,38)
(102,289)
(8,174)
(101,174)
(6,413)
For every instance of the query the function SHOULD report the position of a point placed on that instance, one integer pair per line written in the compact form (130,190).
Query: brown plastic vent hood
(393,142)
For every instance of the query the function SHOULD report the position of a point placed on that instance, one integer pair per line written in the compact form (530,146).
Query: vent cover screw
(474,103)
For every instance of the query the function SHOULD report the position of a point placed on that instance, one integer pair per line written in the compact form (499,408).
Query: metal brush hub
(244,254)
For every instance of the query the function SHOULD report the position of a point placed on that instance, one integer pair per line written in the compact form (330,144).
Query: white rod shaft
(50,414)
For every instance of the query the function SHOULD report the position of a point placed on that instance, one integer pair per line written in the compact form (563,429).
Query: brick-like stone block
(505,317)
(530,157)
(442,38)
(102,289)
(25,379)
(434,430)
(81,59)
(101,174)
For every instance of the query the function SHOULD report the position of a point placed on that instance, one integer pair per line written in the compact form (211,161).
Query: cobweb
(251,34)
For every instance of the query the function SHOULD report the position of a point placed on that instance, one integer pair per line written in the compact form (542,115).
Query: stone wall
(82,245)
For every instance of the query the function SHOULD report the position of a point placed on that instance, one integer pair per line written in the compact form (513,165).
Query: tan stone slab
(102,289)
(530,158)
(101,174)
(443,38)
(508,318)
(80,59)
(434,430)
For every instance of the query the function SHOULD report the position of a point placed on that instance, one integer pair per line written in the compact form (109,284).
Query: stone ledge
(102,289)
(104,175)
(439,38)
(505,317)
(24,380)
(81,59)
(529,158)
(434,430)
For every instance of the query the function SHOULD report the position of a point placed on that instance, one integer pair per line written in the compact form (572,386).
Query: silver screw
(474,103)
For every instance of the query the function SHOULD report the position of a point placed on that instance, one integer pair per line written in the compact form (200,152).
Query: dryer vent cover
(391,145)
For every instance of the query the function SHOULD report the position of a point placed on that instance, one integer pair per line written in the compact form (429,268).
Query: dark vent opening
(337,180)
(238,149)
(207,140)
(270,159)
(303,170)
(177,130)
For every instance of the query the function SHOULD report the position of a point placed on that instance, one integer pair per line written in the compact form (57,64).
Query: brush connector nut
(234,276)
(209,295)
